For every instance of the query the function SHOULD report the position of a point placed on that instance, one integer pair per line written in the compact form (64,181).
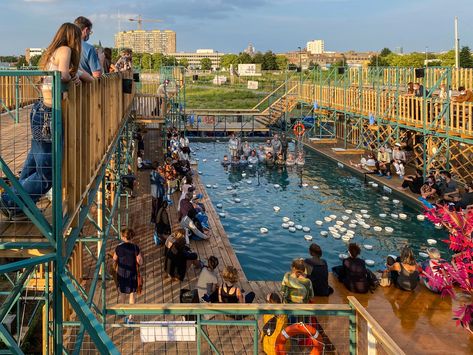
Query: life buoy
(299,129)
(299,329)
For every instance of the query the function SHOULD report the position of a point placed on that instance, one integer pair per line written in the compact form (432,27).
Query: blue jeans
(37,172)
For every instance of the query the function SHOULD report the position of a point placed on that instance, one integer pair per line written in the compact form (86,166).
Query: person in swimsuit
(404,271)
(229,292)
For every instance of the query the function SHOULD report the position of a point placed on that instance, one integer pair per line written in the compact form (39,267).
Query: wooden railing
(92,115)
(405,109)
(392,76)
(18,91)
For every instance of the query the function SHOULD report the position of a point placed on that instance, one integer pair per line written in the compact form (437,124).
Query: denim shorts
(41,121)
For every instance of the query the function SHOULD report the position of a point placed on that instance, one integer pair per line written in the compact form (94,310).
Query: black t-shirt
(356,279)
(417,183)
(466,200)
(319,276)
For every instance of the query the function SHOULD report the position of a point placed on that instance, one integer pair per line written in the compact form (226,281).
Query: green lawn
(221,97)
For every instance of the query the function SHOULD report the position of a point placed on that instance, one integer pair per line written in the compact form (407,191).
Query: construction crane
(140,21)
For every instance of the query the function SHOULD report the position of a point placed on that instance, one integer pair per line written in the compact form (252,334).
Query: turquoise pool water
(268,256)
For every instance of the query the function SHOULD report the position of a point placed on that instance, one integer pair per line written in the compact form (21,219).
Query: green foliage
(227,60)
(378,61)
(447,59)
(146,61)
(466,61)
(34,60)
(221,97)
(281,61)
(338,63)
(244,58)
(184,62)
(258,58)
(385,52)
(269,61)
(415,60)
(137,59)
(157,60)
(313,65)
(205,64)
(8,59)
(21,61)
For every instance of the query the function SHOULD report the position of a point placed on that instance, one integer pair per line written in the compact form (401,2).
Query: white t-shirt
(205,282)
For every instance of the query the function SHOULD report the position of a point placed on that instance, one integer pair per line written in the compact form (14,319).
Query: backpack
(373,281)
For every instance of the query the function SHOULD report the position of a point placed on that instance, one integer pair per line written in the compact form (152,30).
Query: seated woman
(404,271)
(178,256)
(353,272)
(186,186)
(295,286)
(207,283)
(368,163)
(228,292)
(189,220)
(429,189)
(253,158)
(413,182)
(290,161)
(317,271)
(399,160)
(300,160)
(430,269)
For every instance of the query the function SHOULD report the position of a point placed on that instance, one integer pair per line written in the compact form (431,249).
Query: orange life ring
(299,129)
(299,329)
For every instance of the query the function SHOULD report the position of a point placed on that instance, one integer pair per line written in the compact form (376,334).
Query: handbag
(139,277)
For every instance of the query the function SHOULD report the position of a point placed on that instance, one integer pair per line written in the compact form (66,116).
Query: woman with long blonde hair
(63,54)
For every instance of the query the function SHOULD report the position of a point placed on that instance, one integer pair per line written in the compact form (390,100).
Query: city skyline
(227,26)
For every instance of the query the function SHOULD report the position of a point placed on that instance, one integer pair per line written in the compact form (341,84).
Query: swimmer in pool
(300,158)
(253,158)
(290,160)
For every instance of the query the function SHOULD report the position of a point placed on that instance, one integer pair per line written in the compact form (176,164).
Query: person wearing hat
(399,160)
(430,269)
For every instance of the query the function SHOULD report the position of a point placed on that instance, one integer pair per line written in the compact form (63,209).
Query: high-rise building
(140,41)
(316,46)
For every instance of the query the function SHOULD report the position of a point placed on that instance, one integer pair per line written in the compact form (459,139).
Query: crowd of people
(274,152)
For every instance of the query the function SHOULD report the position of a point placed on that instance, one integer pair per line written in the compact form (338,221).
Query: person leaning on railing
(89,60)
(63,55)
(463,96)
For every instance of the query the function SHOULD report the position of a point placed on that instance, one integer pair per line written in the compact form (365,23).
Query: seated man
(413,182)
(188,218)
(465,199)
(448,187)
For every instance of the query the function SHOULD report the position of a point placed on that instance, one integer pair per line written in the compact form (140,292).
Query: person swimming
(261,154)
(225,162)
(243,161)
(269,159)
(290,161)
(300,158)
(280,160)
(253,158)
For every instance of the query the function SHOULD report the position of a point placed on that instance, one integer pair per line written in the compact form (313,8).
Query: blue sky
(228,26)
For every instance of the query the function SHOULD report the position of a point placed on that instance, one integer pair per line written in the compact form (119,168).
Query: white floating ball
(306,229)
(263,230)
(237,200)
(305,185)
(204,160)
(431,241)
(222,215)
(396,201)
(345,218)
(385,198)
(333,216)
(298,227)
(286,219)
(315,187)
(369,262)
(291,223)
(366,216)
(368,246)
(229,188)
(374,184)
(249,182)
(308,237)
(394,215)
(402,216)
(346,238)
(292,229)
(336,236)
(438,225)
(377,228)
(349,211)
(363,211)
(276,186)
(219,205)
(389,229)
(323,233)
(327,219)
(343,256)
(366,226)
(420,217)
(352,225)
(208,186)
(285,225)
(382,215)
(243,174)
(276,208)
(340,223)
(319,223)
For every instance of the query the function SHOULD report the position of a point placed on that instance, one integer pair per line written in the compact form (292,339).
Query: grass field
(222,97)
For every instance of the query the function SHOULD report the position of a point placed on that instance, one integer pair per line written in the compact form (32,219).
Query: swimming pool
(268,256)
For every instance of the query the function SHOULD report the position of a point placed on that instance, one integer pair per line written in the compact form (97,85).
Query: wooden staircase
(275,111)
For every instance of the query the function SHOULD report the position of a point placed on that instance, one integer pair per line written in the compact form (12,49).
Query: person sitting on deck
(207,282)
(317,271)
(185,151)
(170,175)
(187,186)
(235,161)
(162,227)
(463,96)
(228,292)
(465,199)
(399,160)
(290,161)
(295,286)
(178,256)
(188,219)
(404,270)
(413,182)
(273,325)
(430,188)
(430,269)
(300,160)
(253,158)
(448,188)
(353,272)
(383,165)
(368,163)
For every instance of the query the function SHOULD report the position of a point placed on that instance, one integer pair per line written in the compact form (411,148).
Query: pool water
(268,256)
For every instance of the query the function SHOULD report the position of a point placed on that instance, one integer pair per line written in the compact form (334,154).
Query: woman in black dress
(128,257)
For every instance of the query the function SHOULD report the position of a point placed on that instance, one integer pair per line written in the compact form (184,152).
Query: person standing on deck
(162,97)
(128,257)
(89,60)
(63,55)
(157,182)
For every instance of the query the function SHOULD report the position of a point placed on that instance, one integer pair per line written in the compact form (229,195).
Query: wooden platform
(347,151)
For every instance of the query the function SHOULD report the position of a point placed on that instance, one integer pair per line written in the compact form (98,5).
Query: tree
(184,62)
(34,60)
(385,52)
(115,55)
(258,58)
(465,58)
(146,61)
(281,61)
(205,64)
(137,59)
(459,271)
(269,61)
(244,58)
(378,61)
(157,60)
(313,65)
(447,59)
(338,63)
(21,62)
(228,59)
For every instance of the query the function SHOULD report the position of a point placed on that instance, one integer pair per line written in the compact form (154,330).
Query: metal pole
(457,45)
